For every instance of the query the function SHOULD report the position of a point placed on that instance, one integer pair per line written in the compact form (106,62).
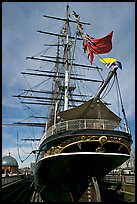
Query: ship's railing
(81,124)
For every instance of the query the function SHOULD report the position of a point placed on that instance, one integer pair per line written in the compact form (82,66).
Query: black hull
(64,177)
(68,159)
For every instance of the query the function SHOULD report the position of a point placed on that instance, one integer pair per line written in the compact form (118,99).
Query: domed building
(9,164)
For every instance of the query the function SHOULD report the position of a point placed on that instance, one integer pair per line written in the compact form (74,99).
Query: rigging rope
(118,99)
(105,94)
(18,148)
(19,152)
(123,110)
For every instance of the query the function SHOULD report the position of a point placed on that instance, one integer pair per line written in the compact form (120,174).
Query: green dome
(9,161)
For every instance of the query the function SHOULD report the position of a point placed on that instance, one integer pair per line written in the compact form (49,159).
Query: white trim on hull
(69,163)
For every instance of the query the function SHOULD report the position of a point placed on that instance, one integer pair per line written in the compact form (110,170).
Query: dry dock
(112,188)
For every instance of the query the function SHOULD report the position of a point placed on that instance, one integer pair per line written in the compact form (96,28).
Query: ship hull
(64,177)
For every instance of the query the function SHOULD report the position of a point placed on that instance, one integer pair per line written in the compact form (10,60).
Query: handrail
(10,179)
(81,124)
(119,178)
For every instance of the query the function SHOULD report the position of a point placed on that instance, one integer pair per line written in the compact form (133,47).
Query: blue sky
(20,22)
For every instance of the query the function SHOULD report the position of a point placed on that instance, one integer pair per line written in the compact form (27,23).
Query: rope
(118,98)
(82,34)
(18,148)
(123,110)
(19,152)
(105,94)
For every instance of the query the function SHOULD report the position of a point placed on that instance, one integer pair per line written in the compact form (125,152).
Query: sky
(20,22)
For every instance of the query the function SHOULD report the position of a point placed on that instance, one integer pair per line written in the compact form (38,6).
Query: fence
(116,178)
(10,179)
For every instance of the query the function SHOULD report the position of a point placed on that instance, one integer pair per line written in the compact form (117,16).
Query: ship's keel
(92,193)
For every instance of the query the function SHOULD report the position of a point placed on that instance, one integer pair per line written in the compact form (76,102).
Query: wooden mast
(66,71)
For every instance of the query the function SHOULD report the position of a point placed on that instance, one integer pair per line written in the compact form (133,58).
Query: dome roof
(9,161)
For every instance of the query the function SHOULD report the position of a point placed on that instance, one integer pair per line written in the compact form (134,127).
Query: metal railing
(10,179)
(116,178)
(81,124)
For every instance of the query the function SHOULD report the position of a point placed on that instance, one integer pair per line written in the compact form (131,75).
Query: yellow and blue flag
(109,62)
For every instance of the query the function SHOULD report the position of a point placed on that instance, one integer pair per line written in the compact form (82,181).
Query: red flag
(91,57)
(101,45)
(98,46)
(88,49)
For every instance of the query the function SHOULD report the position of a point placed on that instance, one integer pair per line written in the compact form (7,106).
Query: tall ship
(83,138)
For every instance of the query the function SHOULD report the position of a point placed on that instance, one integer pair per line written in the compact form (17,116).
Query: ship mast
(66,71)
(56,84)
(56,74)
